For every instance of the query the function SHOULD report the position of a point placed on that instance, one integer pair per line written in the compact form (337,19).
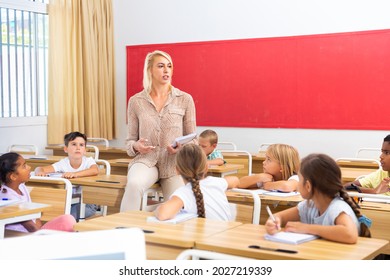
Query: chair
(94,153)
(97,140)
(264,147)
(239,157)
(227,146)
(368,153)
(195,254)
(151,198)
(103,165)
(256,204)
(114,244)
(24,149)
(56,192)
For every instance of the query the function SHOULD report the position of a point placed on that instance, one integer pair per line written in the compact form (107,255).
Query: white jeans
(139,179)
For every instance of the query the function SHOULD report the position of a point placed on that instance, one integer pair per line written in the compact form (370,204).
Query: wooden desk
(246,202)
(349,174)
(236,240)
(167,240)
(104,152)
(257,162)
(41,160)
(102,190)
(120,166)
(19,212)
(379,213)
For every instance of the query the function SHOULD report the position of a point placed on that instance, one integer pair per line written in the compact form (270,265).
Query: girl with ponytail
(202,194)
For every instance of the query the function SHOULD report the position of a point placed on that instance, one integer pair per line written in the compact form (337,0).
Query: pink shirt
(6,192)
(176,118)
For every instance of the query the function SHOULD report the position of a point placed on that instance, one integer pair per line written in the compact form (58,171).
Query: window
(23,58)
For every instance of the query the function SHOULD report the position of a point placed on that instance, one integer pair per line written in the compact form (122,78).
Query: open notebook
(180,217)
(290,237)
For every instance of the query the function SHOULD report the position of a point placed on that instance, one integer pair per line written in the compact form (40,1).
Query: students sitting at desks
(73,166)
(208,141)
(280,168)
(327,210)
(201,195)
(377,182)
(14,173)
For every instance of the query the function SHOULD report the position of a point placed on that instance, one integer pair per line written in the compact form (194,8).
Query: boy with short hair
(76,164)
(208,141)
(377,182)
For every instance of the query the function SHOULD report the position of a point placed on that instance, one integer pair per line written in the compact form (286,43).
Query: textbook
(183,139)
(290,237)
(180,217)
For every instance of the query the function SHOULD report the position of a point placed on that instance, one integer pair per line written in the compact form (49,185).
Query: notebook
(275,193)
(290,237)
(8,202)
(180,217)
(183,139)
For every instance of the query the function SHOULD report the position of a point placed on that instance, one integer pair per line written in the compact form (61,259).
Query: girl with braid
(327,210)
(201,194)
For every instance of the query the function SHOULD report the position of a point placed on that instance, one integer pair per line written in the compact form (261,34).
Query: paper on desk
(180,217)
(8,202)
(274,193)
(290,237)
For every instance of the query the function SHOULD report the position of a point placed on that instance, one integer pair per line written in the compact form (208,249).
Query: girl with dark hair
(327,210)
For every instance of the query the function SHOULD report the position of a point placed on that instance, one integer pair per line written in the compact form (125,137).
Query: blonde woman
(281,166)
(155,117)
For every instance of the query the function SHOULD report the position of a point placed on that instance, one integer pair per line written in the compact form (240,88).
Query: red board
(332,81)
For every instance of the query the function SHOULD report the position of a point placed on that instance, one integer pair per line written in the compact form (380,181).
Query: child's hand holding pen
(272,225)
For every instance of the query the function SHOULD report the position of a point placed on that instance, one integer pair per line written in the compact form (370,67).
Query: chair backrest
(92,151)
(24,149)
(264,147)
(368,153)
(114,244)
(195,254)
(56,192)
(226,146)
(239,157)
(104,165)
(99,141)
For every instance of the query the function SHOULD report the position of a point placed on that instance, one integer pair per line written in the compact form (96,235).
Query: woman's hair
(288,158)
(8,164)
(147,81)
(324,175)
(191,163)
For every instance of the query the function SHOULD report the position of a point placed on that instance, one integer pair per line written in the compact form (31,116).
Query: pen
(4,198)
(272,216)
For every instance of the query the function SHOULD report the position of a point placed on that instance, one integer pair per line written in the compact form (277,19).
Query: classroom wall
(153,21)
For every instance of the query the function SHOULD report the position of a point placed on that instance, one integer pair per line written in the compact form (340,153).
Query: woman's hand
(171,150)
(142,146)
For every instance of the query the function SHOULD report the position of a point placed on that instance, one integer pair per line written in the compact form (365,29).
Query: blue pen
(4,198)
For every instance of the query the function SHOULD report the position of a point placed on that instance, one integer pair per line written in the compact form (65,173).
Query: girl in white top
(280,170)
(204,196)
(327,211)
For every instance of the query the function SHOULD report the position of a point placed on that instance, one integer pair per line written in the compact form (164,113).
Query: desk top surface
(20,209)
(182,234)
(236,241)
(103,149)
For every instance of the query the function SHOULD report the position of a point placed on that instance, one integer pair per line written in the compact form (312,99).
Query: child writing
(280,168)
(208,141)
(14,173)
(327,210)
(201,195)
(377,182)
(76,164)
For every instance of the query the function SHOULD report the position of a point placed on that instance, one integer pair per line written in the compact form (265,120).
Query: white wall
(153,21)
